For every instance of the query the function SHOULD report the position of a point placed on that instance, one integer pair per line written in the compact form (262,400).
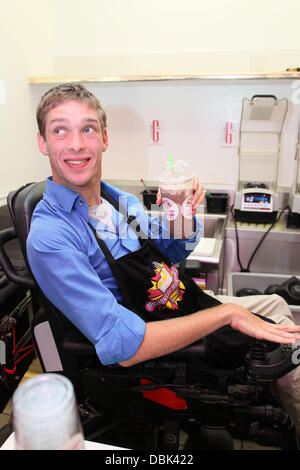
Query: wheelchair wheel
(209,438)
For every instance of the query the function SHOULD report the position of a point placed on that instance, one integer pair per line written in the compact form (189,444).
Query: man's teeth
(76,162)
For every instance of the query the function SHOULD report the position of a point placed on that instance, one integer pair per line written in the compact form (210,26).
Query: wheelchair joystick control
(258,352)
(265,366)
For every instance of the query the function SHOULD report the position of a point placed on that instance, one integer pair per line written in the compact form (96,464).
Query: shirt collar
(67,199)
(64,197)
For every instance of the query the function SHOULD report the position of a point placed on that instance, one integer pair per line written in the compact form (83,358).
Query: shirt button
(81,202)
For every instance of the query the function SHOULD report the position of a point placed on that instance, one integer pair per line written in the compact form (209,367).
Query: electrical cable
(28,350)
(259,243)
(237,240)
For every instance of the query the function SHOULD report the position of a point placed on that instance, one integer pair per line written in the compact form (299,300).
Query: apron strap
(131,219)
(102,245)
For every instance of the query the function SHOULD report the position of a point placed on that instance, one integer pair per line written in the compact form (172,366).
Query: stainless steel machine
(256,198)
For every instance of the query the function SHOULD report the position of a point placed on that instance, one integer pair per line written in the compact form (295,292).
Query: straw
(171,161)
(145,186)
(172,164)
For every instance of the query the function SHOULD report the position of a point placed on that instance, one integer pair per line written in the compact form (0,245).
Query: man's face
(74,143)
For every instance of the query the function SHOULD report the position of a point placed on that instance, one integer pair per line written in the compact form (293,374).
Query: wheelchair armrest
(7,235)
(77,343)
(196,349)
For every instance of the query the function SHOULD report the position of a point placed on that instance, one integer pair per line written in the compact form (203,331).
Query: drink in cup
(176,187)
(45,415)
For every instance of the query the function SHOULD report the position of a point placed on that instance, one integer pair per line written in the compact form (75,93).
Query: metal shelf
(171,77)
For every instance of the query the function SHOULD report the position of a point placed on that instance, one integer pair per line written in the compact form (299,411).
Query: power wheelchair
(147,406)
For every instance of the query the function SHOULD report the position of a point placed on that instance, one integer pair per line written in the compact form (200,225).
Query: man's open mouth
(77,162)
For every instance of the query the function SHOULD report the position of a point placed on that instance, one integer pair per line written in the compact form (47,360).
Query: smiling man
(102,280)
(74,140)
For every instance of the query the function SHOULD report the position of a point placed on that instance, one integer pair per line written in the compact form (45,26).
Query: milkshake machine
(256,198)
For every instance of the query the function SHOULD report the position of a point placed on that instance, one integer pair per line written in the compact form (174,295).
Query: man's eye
(88,130)
(59,131)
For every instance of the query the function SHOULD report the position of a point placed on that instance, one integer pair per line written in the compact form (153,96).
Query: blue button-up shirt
(73,273)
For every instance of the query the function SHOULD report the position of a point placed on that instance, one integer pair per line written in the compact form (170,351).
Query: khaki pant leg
(287,388)
(269,306)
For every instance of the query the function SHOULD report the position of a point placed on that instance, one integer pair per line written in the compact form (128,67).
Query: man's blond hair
(63,93)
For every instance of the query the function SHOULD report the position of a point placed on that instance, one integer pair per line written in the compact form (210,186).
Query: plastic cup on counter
(45,415)
(176,187)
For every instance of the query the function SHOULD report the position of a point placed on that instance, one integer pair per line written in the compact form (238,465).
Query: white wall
(165,36)
(192,116)
(71,37)
(25,49)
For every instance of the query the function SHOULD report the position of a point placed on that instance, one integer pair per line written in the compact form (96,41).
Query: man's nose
(76,142)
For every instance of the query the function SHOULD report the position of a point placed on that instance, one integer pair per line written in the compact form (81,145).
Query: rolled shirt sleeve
(123,340)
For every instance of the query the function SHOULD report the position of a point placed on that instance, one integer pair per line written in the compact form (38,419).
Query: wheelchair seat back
(49,326)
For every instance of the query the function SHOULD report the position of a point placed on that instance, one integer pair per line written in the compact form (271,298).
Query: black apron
(150,286)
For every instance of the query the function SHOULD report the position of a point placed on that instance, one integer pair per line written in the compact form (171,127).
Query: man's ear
(42,144)
(105,140)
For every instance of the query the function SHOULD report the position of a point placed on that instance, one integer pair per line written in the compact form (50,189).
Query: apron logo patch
(167,289)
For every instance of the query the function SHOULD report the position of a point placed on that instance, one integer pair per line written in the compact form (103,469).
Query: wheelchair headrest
(21,204)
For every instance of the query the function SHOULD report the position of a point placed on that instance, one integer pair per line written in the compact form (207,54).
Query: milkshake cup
(176,187)
(45,414)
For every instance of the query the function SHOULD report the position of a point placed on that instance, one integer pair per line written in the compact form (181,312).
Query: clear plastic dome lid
(176,171)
